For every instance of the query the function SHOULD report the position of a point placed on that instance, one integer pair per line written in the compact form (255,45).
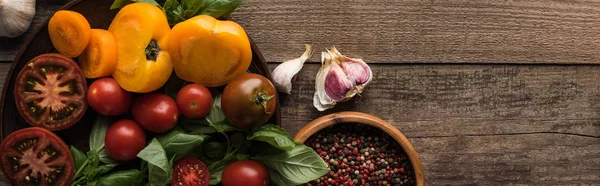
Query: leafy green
(220,8)
(214,151)
(215,174)
(121,178)
(191,7)
(121,3)
(99,132)
(159,169)
(78,157)
(274,135)
(201,126)
(93,161)
(106,158)
(297,166)
(178,144)
(216,117)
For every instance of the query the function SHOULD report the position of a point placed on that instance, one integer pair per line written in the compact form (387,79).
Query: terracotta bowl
(366,119)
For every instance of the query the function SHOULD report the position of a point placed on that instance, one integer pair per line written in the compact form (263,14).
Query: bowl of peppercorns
(361,149)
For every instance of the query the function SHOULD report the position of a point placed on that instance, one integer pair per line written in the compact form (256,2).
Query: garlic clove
(283,74)
(15,17)
(339,79)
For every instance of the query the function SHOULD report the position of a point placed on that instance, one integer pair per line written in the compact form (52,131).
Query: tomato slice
(50,92)
(36,156)
(190,172)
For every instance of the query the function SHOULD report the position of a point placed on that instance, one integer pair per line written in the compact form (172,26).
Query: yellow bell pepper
(208,51)
(143,63)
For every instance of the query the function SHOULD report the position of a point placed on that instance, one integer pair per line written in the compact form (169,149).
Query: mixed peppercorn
(360,155)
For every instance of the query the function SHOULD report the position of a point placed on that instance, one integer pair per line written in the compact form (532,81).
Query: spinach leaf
(121,3)
(220,8)
(216,117)
(274,135)
(297,166)
(78,157)
(121,178)
(178,144)
(106,158)
(159,169)
(99,132)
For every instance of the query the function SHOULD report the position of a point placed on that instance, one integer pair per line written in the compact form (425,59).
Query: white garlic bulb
(339,79)
(15,17)
(284,73)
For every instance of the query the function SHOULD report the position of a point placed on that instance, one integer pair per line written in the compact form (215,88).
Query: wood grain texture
(480,124)
(417,31)
(10,46)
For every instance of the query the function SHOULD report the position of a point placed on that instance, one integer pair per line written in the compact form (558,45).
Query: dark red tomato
(155,112)
(36,156)
(124,140)
(249,100)
(50,92)
(245,173)
(106,97)
(190,172)
(194,101)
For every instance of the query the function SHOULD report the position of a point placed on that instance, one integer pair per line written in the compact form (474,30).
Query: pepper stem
(262,98)
(152,50)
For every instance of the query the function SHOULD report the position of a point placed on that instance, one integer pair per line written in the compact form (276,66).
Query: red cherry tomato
(124,140)
(245,173)
(106,97)
(190,172)
(194,101)
(155,112)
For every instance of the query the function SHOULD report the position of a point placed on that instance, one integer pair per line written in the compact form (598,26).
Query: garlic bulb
(15,17)
(339,79)
(285,73)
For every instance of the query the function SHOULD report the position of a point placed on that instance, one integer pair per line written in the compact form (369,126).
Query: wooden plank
(10,46)
(416,31)
(529,159)
(449,100)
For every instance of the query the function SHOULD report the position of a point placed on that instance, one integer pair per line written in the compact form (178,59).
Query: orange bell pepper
(143,63)
(208,51)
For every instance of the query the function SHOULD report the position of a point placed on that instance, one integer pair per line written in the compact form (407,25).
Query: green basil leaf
(236,142)
(106,158)
(121,3)
(121,178)
(174,12)
(274,135)
(159,169)
(214,150)
(297,166)
(90,171)
(243,156)
(105,168)
(215,174)
(78,157)
(216,117)
(191,7)
(200,126)
(178,144)
(99,132)
(220,8)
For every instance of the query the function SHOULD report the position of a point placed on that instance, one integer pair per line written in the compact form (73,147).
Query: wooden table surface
(488,92)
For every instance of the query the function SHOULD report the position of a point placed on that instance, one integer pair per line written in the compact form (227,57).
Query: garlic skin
(284,73)
(339,79)
(15,17)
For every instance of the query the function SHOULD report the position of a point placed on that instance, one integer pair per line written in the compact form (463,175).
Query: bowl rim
(363,118)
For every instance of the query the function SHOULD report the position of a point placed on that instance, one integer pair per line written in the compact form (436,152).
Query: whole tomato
(249,100)
(194,101)
(245,173)
(155,112)
(124,140)
(106,97)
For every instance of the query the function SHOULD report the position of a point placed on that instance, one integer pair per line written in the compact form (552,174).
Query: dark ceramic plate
(99,15)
